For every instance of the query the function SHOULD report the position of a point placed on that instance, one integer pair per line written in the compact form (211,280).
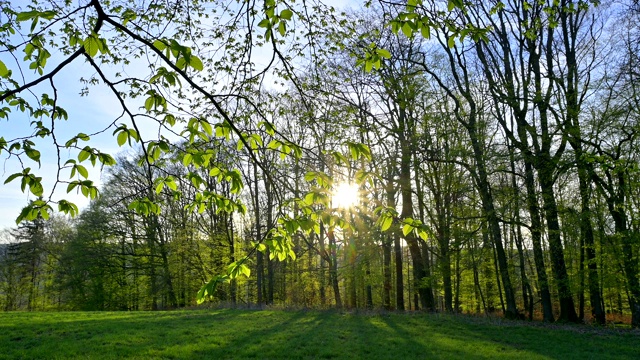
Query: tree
(477,134)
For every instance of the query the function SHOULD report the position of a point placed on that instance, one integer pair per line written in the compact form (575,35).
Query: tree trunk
(333,268)
(259,255)
(421,271)
(270,269)
(536,240)
(386,271)
(615,203)
(567,307)
(397,249)
(233,286)
(511,311)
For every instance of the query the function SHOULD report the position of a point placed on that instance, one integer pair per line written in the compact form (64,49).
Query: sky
(87,114)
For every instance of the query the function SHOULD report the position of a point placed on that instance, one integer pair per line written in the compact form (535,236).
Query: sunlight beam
(345,195)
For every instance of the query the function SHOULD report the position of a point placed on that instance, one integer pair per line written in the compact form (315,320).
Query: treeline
(515,145)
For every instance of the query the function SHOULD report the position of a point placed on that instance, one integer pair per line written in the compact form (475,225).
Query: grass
(269,334)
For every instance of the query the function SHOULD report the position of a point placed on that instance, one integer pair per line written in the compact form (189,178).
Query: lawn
(271,334)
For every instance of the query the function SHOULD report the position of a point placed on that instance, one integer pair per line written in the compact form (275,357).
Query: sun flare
(345,195)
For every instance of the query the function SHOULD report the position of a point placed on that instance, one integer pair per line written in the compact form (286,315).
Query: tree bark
(421,273)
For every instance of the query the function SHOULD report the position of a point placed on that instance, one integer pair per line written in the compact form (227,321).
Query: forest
(472,157)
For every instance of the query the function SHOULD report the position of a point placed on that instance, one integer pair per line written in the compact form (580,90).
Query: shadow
(276,334)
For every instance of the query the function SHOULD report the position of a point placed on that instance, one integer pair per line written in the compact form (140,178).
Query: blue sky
(86,114)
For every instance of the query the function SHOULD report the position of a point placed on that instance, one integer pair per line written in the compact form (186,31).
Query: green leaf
(451,41)
(123,136)
(215,172)
(83,155)
(264,23)
(13,177)
(268,127)
(354,152)
(455,3)
(407,30)
(28,213)
(196,63)
(92,44)
(68,208)
(310,175)
(33,154)
(386,223)
(4,72)
(171,183)
(368,66)
(72,186)
(82,171)
(204,124)
(286,14)
(245,270)
(44,213)
(209,288)
(425,30)
(148,104)
(406,229)
(159,44)
(384,53)
(36,187)
(274,145)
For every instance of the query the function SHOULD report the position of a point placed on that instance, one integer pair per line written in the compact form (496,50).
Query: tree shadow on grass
(266,334)
(466,337)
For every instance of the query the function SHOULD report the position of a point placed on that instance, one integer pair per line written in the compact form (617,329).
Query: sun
(345,195)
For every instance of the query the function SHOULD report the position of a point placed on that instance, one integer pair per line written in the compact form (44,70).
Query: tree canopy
(481,137)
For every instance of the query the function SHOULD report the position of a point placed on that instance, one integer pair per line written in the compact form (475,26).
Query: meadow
(277,334)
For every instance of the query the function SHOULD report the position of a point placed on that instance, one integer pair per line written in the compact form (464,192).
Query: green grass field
(239,334)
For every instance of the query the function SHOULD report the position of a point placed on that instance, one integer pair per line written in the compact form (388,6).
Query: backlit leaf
(386,223)
(406,229)
(286,14)
(4,72)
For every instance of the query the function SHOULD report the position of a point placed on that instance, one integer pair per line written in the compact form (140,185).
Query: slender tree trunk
(397,250)
(350,257)
(536,240)
(269,224)
(368,288)
(457,282)
(627,238)
(497,276)
(581,277)
(445,268)
(259,255)
(484,189)
(333,268)
(570,21)
(386,271)
(322,274)
(567,307)
(233,289)
(166,271)
(153,286)
(421,272)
